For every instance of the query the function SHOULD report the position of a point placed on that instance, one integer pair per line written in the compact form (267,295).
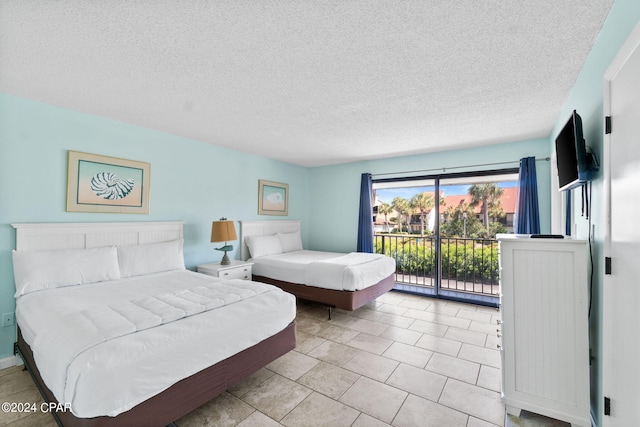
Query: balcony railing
(468,265)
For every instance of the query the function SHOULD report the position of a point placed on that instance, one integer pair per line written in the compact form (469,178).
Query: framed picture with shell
(98,183)
(273,198)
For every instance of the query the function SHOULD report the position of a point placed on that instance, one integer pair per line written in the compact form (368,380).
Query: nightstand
(235,270)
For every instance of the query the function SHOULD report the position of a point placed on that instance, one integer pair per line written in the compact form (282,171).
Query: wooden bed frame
(346,300)
(185,395)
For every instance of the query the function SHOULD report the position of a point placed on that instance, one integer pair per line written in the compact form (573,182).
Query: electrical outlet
(8,319)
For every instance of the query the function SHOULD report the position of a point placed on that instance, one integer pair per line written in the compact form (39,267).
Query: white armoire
(544,327)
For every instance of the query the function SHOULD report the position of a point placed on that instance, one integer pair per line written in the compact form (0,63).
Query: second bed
(346,281)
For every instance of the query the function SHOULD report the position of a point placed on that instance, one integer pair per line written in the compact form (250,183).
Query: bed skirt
(185,395)
(346,300)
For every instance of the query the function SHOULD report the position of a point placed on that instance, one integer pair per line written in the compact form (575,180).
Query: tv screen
(571,155)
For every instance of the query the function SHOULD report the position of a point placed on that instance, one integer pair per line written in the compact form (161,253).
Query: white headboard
(56,236)
(264,228)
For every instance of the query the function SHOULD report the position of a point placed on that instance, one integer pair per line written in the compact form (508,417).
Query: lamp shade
(223,231)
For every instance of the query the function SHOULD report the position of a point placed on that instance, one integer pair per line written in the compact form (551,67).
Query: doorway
(441,231)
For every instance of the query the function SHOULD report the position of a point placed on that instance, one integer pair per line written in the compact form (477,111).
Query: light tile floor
(403,360)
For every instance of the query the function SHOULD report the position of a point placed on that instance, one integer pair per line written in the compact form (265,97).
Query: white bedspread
(106,347)
(330,270)
(354,271)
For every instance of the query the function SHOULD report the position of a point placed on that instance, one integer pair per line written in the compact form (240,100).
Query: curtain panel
(567,208)
(527,211)
(365,219)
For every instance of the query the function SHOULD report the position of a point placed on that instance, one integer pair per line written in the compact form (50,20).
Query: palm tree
(402,206)
(496,212)
(422,203)
(385,209)
(489,195)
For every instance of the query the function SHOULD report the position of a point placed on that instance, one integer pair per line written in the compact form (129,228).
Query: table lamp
(223,231)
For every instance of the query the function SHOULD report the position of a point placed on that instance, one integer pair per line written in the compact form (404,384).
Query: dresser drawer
(242,272)
(236,270)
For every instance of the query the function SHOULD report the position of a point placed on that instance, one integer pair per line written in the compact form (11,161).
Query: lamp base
(225,259)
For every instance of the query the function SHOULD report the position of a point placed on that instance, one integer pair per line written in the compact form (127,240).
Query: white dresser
(544,328)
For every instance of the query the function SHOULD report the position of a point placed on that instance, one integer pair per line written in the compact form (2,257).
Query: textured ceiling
(307,82)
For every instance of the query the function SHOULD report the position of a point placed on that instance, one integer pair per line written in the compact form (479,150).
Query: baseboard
(8,362)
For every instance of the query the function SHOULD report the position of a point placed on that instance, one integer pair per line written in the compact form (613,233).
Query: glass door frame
(437,291)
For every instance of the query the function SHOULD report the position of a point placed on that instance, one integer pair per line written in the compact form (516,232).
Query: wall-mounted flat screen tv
(575,165)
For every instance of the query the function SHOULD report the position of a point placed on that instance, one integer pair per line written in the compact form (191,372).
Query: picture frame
(102,184)
(273,198)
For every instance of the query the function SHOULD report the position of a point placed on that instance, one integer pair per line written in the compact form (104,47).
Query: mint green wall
(339,186)
(587,98)
(190,180)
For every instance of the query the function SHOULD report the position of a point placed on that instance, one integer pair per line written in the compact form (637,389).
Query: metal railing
(467,265)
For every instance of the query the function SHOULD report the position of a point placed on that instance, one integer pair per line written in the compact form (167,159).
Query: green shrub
(464,260)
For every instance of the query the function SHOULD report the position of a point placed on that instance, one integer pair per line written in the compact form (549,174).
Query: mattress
(111,377)
(329,270)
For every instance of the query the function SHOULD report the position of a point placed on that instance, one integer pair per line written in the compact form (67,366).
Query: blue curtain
(365,220)
(527,213)
(567,220)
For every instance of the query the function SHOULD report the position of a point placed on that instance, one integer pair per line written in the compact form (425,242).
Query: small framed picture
(107,184)
(273,198)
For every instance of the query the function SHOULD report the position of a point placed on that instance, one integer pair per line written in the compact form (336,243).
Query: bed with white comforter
(330,270)
(343,280)
(105,347)
(111,328)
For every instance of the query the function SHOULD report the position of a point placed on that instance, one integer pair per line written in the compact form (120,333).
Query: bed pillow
(260,246)
(290,241)
(38,270)
(136,260)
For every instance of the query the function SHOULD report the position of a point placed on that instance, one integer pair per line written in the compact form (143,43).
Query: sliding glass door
(441,231)
(405,220)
